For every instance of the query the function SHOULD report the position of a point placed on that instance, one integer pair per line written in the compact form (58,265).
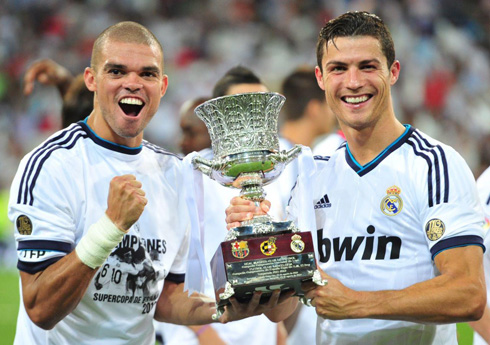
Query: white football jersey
(60,190)
(257,330)
(483,186)
(379,227)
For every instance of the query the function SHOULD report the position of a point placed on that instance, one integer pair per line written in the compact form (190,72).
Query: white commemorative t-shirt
(257,330)
(379,227)
(60,190)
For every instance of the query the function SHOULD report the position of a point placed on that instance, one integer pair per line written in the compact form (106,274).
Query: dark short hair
(234,76)
(299,88)
(356,24)
(129,32)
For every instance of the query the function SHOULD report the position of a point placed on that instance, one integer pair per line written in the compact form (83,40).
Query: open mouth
(131,106)
(356,99)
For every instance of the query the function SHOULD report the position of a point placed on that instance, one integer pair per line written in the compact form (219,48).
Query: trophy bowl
(261,254)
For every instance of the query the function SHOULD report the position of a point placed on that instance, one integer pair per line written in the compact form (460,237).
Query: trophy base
(245,265)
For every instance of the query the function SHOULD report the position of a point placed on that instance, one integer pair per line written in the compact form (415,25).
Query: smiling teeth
(355,100)
(133,101)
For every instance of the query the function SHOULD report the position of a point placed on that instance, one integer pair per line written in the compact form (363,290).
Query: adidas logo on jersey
(323,202)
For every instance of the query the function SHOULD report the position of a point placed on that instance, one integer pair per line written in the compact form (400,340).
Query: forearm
(52,294)
(482,326)
(439,300)
(174,306)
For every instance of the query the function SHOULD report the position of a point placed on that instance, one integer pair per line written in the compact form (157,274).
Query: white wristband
(99,241)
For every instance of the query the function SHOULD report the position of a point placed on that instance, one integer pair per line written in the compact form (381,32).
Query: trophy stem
(251,186)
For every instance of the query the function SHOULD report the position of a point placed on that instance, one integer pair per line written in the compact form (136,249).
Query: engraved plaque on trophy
(261,254)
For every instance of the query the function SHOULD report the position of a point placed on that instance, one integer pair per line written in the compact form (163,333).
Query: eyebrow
(109,66)
(152,69)
(363,62)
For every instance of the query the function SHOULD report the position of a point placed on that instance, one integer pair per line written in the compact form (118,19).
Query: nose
(354,79)
(132,82)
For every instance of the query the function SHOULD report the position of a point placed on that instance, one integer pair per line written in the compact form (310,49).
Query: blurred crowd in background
(443,47)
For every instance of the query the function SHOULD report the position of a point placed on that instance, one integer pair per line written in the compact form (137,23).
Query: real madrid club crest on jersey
(392,203)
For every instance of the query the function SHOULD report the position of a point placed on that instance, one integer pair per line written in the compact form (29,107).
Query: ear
(319,78)
(164,85)
(395,72)
(89,77)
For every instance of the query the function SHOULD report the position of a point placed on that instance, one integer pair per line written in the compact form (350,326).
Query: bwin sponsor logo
(351,246)
(323,202)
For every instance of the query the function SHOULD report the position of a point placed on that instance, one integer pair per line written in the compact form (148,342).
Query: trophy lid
(240,123)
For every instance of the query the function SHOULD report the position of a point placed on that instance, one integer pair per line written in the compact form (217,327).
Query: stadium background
(443,47)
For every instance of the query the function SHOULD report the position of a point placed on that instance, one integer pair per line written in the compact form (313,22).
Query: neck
(367,143)
(98,124)
(299,132)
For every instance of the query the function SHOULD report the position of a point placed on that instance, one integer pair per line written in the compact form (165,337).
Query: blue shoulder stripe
(65,140)
(435,158)
(158,149)
(429,174)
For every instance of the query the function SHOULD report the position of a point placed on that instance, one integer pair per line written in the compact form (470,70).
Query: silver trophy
(245,143)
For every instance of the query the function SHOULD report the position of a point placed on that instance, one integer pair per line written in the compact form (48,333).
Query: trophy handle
(287,156)
(203,165)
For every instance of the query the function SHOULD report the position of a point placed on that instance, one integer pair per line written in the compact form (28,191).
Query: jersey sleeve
(451,213)
(40,208)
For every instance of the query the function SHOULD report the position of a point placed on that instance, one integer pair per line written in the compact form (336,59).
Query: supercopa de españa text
(103,297)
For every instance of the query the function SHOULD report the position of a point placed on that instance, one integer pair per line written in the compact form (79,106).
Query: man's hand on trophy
(237,311)
(241,209)
(332,301)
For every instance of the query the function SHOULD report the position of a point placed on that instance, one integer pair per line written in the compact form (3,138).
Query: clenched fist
(126,201)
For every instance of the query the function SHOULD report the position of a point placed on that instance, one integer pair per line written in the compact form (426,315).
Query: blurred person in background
(77,99)
(431,274)
(305,115)
(195,136)
(68,223)
(257,330)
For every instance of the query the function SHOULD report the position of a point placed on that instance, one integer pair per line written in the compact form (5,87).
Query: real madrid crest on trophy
(297,245)
(261,253)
